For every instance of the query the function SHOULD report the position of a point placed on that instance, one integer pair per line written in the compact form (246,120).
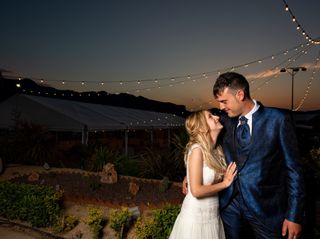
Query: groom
(268,193)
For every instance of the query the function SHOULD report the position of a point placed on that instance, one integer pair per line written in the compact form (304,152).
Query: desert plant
(315,156)
(164,219)
(159,226)
(65,223)
(70,222)
(159,164)
(311,165)
(102,155)
(129,166)
(169,163)
(179,142)
(164,184)
(36,204)
(28,143)
(144,228)
(119,221)
(95,220)
(100,158)
(81,154)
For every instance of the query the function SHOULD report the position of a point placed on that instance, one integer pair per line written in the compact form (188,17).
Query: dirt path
(13,230)
(10,233)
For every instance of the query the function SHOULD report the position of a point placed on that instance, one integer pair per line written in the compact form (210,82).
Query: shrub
(79,154)
(179,142)
(38,205)
(311,165)
(144,228)
(28,143)
(157,164)
(65,224)
(315,156)
(160,225)
(102,155)
(100,158)
(164,220)
(129,166)
(164,185)
(95,220)
(169,163)
(119,221)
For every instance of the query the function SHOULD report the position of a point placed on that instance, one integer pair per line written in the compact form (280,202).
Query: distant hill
(8,88)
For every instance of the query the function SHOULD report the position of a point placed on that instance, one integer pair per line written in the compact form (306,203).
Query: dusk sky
(171,51)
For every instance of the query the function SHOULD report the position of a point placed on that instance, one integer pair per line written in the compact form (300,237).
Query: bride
(207,174)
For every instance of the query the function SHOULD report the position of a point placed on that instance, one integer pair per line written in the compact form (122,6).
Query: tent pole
(168,137)
(151,137)
(84,138)
(126,142)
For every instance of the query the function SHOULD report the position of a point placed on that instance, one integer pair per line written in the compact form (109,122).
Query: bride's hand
(229,174)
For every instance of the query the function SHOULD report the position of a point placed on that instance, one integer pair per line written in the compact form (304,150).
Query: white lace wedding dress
(199,218)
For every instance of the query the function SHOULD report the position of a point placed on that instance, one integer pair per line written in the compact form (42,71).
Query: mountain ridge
(8,87)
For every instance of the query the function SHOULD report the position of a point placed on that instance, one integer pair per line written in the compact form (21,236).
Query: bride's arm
(198,189)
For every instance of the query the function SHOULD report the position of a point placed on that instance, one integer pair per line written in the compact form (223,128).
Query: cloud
(276,71)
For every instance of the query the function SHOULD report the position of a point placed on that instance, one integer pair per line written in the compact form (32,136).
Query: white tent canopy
(65,115)
(74,116)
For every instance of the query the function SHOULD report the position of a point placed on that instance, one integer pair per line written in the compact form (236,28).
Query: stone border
(27,170)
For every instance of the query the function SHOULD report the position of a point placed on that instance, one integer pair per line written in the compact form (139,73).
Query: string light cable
(165,81)
(308,88)
(203,76)
(299,25)
(183,79)
(289,60)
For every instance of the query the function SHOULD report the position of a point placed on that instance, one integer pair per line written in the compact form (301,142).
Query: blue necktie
(243,133)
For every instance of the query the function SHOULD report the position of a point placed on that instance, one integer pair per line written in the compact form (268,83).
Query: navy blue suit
(270,177)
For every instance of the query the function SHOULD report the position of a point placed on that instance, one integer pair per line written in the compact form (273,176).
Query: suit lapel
(255,120)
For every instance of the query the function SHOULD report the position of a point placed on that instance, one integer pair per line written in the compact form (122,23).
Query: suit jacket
(270,178)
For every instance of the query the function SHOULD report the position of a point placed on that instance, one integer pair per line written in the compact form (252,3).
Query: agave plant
(169,163)
(33,143)
(179,142)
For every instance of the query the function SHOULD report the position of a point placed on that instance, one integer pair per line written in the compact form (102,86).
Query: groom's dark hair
(232,80)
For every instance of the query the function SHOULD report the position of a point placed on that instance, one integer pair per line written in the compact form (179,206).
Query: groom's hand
(291,228)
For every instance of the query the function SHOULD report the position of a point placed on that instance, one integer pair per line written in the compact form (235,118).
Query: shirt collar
(252,111)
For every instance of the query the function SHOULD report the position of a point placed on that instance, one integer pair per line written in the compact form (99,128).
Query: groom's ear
(240,95)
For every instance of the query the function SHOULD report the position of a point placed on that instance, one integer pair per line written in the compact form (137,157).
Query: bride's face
(213,122)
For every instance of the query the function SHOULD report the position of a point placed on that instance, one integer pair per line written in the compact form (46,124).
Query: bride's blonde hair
(199,133)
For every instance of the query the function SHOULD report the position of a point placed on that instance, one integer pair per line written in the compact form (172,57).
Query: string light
(159,83)
(193,78)
(299,26)
(189,77)
(293,58)
(307,90)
